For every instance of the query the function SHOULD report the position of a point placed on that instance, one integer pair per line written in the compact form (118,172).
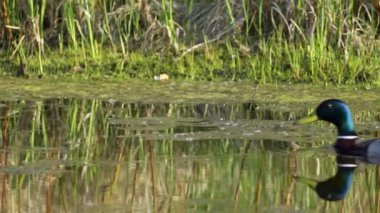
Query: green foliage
(275,41)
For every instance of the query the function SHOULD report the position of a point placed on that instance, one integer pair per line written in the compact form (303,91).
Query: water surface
(106,146)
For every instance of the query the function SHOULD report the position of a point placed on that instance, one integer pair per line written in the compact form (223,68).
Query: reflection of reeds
(4,117)
(237,188)
(77,159)
(377,191)
(4,178)
(48,186)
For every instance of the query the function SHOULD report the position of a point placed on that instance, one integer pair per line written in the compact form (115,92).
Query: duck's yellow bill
(308,181)
(309,119)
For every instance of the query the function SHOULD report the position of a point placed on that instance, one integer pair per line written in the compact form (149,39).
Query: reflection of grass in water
(102,169)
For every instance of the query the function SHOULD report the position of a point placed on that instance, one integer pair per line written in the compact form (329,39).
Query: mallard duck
(347,143)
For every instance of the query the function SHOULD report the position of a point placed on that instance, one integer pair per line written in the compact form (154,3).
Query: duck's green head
(334,111)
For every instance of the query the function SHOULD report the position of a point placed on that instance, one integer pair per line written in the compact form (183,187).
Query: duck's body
(347,143)
(357,147)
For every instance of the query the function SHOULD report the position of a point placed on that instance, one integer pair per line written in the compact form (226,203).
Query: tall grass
(35,27)
(284,41)
(71,24)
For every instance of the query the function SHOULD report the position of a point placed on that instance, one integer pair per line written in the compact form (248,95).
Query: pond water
(132,146)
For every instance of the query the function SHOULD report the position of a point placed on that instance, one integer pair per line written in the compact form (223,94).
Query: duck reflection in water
(336,187)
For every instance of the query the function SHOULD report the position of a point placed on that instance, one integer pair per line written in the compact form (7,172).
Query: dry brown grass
(210,20)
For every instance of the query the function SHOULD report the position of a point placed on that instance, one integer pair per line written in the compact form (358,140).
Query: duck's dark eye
(330,106)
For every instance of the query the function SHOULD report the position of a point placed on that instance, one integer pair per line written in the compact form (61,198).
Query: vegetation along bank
(267,41)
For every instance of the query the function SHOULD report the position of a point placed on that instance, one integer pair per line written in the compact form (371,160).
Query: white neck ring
(347,137)
(347,165)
